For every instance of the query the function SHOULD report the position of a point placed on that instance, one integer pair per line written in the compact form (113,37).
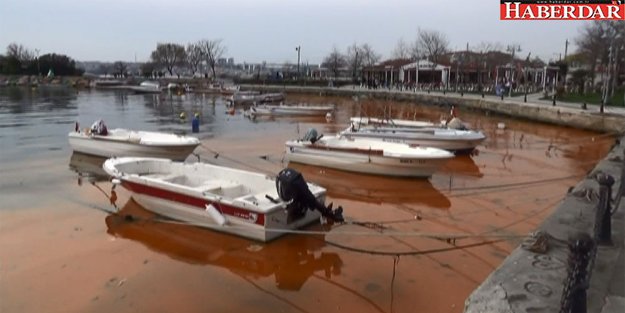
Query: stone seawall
(560,115)
(533,281)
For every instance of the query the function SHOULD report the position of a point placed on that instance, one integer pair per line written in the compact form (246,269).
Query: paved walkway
(534,98)
(615,297)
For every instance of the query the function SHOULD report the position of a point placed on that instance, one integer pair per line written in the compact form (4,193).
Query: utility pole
(298,49)
(566,48)
(38,68)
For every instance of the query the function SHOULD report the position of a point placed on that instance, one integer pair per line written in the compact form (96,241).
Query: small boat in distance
(100,141)
(290,110)
(146,87)
(250,97)
(224,199)
(366,156)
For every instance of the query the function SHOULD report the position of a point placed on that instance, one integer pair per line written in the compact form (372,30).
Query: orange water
(60,252)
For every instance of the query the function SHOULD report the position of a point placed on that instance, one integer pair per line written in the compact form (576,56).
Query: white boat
(368,156)
(364,121)
(227,89)
(290,110)
(448,139)
(220,198)
(106,83)
(249,97)
(123,142)
(147,87)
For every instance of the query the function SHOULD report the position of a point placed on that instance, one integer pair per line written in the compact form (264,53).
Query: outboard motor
(292,187)
(312,136)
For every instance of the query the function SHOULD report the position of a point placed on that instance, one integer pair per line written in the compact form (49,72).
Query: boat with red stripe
(234,201)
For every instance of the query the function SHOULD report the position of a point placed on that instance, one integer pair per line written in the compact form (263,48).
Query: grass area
(592,98)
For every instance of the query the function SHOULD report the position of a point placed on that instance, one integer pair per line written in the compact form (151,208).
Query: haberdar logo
(562,10)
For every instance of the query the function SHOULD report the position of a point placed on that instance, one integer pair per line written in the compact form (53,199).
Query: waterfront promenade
(530,281)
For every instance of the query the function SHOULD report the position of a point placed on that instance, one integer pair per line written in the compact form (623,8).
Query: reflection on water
(291,259)
(372,188)
(462,165)
(89,166)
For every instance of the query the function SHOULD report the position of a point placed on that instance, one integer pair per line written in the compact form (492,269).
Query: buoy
(501,125)
(215,215)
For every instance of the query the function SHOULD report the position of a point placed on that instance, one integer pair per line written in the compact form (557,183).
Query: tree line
(19,60)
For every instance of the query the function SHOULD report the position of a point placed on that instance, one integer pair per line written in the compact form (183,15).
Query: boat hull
(271,229)
(106,148)
(219,198)
(363,163)
(419,140)
(280,110)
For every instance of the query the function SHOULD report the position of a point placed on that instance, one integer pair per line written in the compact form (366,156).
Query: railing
(583,247)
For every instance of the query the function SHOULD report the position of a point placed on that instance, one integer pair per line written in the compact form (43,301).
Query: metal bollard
(581,248)
(603,218)
(554,100)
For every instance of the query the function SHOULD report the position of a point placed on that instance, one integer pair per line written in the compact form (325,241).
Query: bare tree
(483,60)
(19,52)
(402,50)
(354,59)
(194,57)
(120,68)
(596,42)
(212,50)
(369,56)
(432,44)
(169,55)
(334,61)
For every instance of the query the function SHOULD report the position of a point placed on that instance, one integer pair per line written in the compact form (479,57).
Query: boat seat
(223,188)
(259,199)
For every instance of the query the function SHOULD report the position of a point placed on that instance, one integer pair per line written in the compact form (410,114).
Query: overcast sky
(265,30)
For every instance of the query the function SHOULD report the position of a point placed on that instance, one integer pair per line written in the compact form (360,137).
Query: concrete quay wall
(527,281)
(559,114)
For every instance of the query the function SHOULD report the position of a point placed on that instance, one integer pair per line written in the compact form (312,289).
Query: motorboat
(366,156)
(290,110)
(459,141)
(177,88)
(227,90)
(224,199)
(100,141)
(372,121)
(250,97)
(107,83)
(147,87)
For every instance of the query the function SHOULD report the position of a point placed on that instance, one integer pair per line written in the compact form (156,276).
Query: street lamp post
(298,49)
(38,68)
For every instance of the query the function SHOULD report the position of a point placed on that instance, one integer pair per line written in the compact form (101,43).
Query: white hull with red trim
(220,198)
(368,156)
(123,142)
